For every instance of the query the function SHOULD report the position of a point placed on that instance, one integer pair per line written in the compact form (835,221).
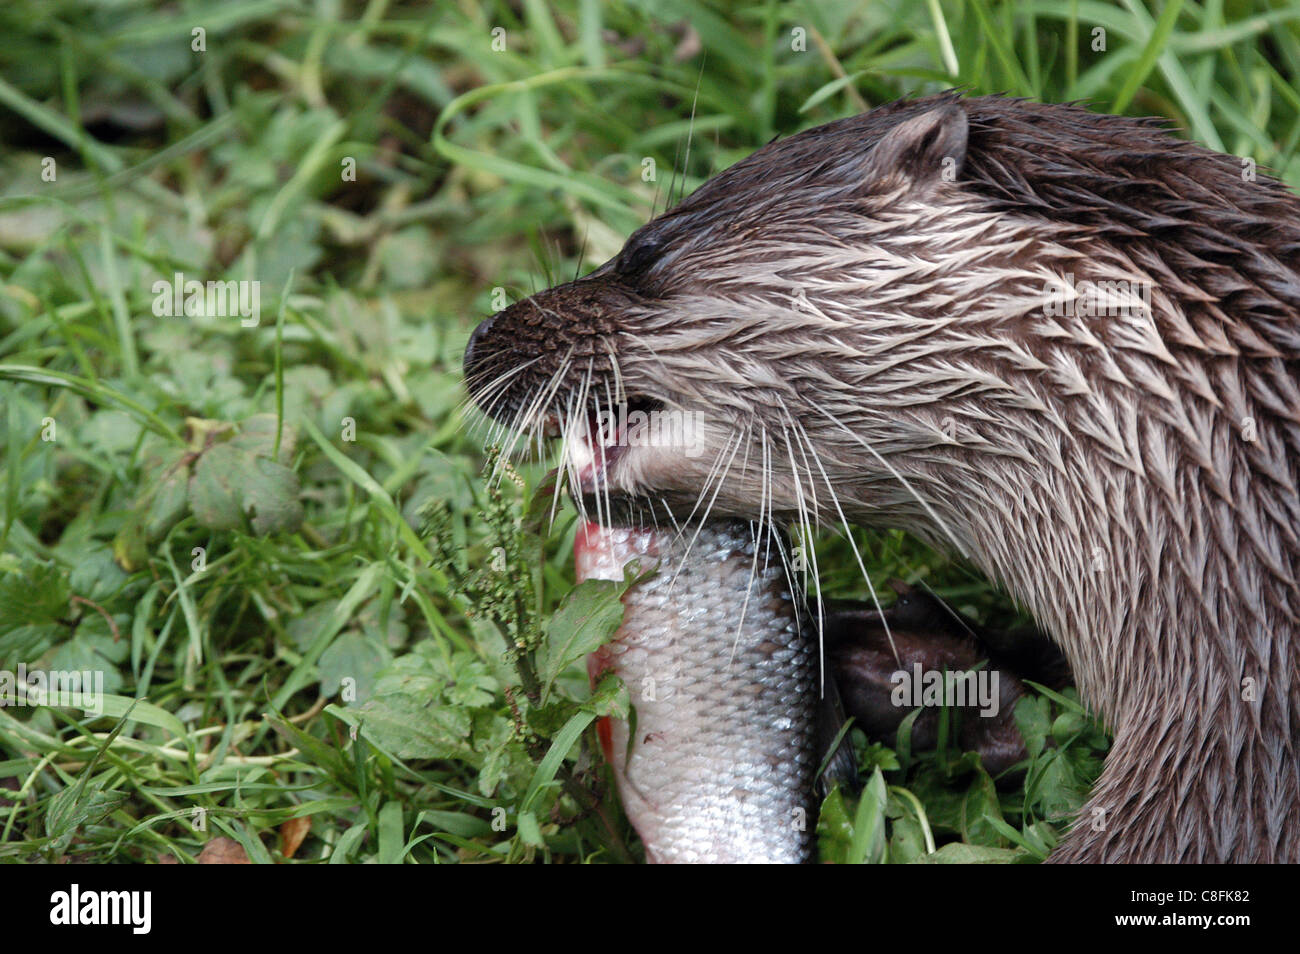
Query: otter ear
(922,150)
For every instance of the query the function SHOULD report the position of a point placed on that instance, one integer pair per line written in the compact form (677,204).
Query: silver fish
(723,682)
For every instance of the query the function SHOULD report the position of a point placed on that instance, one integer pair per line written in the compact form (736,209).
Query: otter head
(753,340)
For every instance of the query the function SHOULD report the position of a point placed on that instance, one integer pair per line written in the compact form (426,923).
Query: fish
(716,763)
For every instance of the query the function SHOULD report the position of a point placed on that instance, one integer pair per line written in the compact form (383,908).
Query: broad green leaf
(956,853)
(214,489)
(352,656)
(270,497)
(412,729)
(528,829)
(586,620)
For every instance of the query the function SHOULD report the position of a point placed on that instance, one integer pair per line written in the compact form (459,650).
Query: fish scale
(721,769)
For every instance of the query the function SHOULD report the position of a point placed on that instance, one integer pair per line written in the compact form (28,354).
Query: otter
(891,320)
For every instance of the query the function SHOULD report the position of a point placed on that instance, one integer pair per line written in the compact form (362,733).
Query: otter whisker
(721,479)
(619,390)
(802,508)
(857,556)
(486,397)
(601,487)
(591,398)
(807,530)
(749,590)
(566,463)
(713,473)
(755,527)
(478,392)
(533,416)
(547,395)
(939,522)
(689,521)
(612,413)
(764,506)
(577,419)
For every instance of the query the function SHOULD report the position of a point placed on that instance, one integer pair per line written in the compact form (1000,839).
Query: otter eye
(637,257)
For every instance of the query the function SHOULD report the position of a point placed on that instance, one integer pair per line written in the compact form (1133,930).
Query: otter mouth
(592,445)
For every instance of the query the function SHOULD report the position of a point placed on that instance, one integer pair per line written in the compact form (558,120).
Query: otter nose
(475,343)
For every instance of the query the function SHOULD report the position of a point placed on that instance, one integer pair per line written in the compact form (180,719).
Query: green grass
(359,653)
